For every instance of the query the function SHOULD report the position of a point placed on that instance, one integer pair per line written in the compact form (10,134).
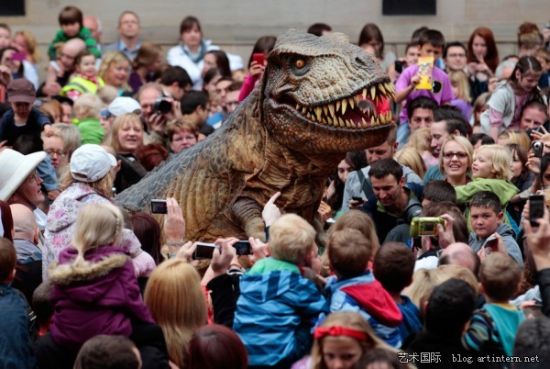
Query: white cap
(90,162)
(15,168)
(123,105)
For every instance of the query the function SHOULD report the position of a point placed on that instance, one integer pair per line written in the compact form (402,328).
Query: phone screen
(536,209)
(243,247)
(204,251)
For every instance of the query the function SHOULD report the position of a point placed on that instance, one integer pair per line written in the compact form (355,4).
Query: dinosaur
(319,98)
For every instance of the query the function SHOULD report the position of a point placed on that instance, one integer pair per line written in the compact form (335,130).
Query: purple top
(444,96)
(99,298)
(464,107)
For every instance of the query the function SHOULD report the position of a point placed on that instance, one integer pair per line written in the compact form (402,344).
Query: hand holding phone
(536,209)
(259,58)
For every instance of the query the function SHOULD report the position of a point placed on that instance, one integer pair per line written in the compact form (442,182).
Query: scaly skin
(320,97)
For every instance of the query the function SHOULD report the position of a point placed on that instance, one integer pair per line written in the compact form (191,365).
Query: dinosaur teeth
(364,94)
(364,122)
(318,112)
(344,106)
(338,105)
(382,89)
(331,109)
(325,110)
(372,92)
(341,122)
(351,103)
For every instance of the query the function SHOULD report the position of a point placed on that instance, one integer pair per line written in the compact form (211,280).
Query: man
(393,203)
(21,127)
(421,113)
(60,70)
(128,35)
(232,97)
(29,255)
(460,253)
(455,57)
(175,83)
(358,184)
(447,121)
(94,25)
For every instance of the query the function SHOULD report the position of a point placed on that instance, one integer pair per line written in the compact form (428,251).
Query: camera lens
(162,105)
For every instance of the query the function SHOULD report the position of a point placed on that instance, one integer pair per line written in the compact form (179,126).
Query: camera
(538,148)
(399,66)
(159,206)
(243,247)
(162,105)
(536,209)
(425,226)
(204,250)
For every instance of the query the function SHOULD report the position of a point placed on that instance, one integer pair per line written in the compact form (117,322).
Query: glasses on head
(460,155)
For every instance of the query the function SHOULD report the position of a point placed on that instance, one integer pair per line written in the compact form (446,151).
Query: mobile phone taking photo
(259,58)
(536,209)
(243,247)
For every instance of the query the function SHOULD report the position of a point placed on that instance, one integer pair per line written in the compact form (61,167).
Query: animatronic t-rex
(319,98)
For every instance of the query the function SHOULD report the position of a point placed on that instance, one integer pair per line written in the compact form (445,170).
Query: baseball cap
(121,105)
(21,90)
(90,163)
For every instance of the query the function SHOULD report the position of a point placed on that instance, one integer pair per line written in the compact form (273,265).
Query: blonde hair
(425,281)
(420,140)
(103,186)
(519,138)
(53,108)
(501,159)
(459,80)
(119,123)
(32,48)
(291,238)
(110,58)
(500,276)
(69,134)
(351,320)
(177,125)
(462,141)
(97,225)
(87,106)
(411,158)
(176,300)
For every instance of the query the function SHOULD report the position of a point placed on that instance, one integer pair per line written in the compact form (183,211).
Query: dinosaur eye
(299,65)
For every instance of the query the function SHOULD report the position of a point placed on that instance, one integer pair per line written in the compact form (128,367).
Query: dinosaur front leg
(249,214)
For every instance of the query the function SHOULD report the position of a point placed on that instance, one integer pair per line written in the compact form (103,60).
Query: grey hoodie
(507,234)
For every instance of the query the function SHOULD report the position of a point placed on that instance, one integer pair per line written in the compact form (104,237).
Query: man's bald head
(74,46)
(460,253)
(24,223)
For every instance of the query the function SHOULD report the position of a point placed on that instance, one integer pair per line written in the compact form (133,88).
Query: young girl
(461,90)
(95,288)
(85,79)
(506,103)
(340,342)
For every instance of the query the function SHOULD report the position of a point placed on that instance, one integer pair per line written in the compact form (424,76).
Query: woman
(26,43)
(90,180)
(482,59)
(216,346)
(455,160)
(372,41)
(217,59)
(510,96)
(126,140)
(115,71)
(59,142)
(177,302)
(181,135)
(190,53)
(148,65)
(263,46)
(19,67)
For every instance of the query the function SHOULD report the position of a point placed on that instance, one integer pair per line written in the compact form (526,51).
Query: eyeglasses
(459,155)
(55,152)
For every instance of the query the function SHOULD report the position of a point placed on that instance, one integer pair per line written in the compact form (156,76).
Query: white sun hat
(15,168)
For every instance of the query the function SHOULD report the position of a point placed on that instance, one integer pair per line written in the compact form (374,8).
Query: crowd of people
(432,250)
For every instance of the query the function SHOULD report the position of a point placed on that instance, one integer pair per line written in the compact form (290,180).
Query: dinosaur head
(325,95)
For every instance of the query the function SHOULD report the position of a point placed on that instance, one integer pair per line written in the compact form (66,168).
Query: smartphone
(425,226)
(538,148)
(357,198)
(536,209)
(159,206)
(204,250)
(398,65)
(243,247)
(259,58)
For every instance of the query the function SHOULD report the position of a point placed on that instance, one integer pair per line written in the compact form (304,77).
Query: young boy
(394,267)
(15,339)
(493,328)
(85,79)
(276,307)
(489,231)
(194,108)
(70,20)
(430,43)
(353,288)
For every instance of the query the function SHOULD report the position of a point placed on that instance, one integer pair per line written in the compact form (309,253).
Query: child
(394,267)
(493,328)
(86,111)
(489,232)
(15,324)
(85,79)
(70,20)
(508,99)
(342,340)
(353,288)
(491,171)
(276,306)
(430,42)
(95,287)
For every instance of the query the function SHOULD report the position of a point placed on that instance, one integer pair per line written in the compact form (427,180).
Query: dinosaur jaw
(367,108)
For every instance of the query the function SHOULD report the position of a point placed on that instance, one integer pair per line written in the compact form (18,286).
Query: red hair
(491,59)
(216,347)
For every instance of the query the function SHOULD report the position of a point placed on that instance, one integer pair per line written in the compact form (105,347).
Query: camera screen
(159,207)
(243,248)
(204,251)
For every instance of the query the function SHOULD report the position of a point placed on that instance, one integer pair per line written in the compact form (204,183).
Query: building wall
(236,24)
